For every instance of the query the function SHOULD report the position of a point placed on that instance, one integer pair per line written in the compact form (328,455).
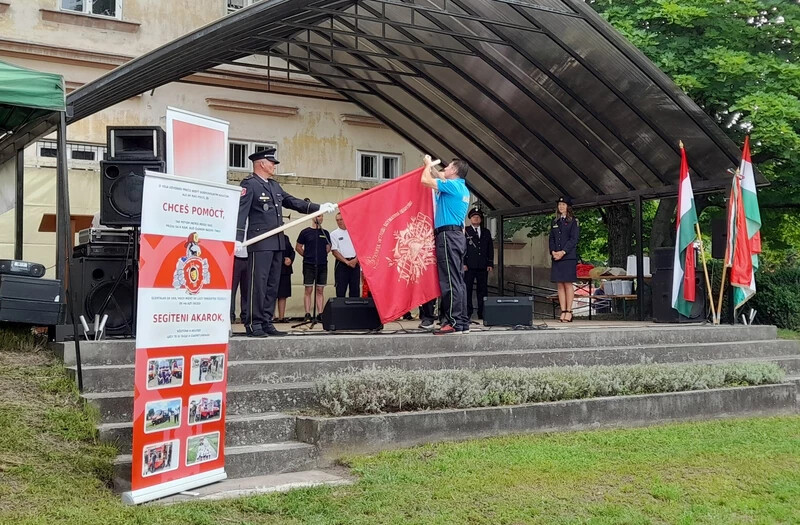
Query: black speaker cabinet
(140,143)
(121,195)
(508,311)
(663,258)
(350,313)
(662,298)
(719,237)
(30,300)
(93,282)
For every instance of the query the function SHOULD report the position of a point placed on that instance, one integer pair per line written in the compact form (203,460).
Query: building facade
(329,149)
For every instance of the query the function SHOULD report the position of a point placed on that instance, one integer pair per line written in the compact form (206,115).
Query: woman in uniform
(564,232)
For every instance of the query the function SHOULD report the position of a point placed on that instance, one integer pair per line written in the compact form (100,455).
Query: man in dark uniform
(261,206)
(479,259)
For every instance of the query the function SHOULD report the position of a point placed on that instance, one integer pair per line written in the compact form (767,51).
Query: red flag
(689,275)
(391,227)
(741,260)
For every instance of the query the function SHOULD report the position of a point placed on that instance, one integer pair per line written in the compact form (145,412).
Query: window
(235,5)
(110,8)
(239,150)
(47,149)
(378,166)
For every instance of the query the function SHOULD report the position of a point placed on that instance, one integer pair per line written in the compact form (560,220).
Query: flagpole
(286,226)
(705,271)
(721,289)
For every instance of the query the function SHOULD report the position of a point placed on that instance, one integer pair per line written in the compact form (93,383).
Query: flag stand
(705,271)
(717,318)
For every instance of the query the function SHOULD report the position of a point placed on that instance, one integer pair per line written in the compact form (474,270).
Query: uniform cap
(268,154)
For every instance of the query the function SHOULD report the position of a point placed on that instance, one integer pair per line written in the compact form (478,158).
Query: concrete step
(120,377)
(239,431)
(121,352)
(242,462)
(117,407)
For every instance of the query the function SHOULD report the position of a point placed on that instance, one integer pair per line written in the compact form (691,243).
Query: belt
(441,229)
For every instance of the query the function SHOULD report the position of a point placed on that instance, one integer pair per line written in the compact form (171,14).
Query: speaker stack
(662,262)
(104,264)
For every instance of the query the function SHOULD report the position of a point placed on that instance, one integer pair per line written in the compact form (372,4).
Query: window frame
(87,9)
(247,3)
(380,156)
(251,146)
(99,151)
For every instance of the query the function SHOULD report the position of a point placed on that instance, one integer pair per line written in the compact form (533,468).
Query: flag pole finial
(680,144)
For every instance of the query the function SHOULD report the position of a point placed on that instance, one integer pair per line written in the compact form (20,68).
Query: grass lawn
(788,334)
(724,472)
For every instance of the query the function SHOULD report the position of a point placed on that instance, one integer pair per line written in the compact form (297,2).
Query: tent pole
(19,204)
(500,262)
(639,259)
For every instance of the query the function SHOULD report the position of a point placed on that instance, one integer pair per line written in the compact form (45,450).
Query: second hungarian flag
(683,273)
(391,227)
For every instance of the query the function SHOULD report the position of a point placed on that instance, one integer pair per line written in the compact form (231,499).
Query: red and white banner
(197,146)
(391,227)
(184,296)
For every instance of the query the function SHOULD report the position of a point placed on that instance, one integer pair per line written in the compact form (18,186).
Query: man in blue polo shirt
(452,202)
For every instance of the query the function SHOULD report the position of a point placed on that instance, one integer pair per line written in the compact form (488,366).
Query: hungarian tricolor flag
(391,227)
(683,274)
(744,231)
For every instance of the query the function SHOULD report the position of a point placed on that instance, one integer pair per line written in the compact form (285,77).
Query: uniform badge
(266,207)
(191,272)
(244,191)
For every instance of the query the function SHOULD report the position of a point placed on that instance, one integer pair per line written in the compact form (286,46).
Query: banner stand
(135,497)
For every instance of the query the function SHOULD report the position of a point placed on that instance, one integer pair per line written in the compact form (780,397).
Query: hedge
(375,391)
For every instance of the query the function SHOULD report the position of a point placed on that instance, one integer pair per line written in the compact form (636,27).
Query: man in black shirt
(314,244)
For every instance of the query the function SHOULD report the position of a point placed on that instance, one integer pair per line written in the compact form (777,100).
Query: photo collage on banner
(185,271)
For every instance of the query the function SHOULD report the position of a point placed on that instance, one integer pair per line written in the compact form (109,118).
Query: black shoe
(307,318)
(427,324)
(318,319)
(273,332)
(258,332)
(407,316)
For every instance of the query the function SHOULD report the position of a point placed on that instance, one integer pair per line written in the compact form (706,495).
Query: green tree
(738,59)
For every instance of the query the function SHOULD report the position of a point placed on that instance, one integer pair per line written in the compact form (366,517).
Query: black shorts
(308,274)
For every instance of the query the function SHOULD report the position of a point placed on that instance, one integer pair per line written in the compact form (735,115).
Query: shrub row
(375,391)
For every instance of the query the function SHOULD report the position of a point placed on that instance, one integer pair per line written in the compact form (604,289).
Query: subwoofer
(350,313)
(663,259)
(508,311)
(121,196)
(93,280)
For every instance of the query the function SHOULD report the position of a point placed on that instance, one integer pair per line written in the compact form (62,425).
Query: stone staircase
(268,377)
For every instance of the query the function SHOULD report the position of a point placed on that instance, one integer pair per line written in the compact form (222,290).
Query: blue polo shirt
(452,202)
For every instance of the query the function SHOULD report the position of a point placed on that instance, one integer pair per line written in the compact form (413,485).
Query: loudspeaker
(663,258)
(121,195)
(28,269)
(350,313)
(663,312)
(719,237)
(92,282)
(508,311)
(30,300)
(141,143)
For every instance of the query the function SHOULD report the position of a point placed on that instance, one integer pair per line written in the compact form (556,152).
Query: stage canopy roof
(542,97)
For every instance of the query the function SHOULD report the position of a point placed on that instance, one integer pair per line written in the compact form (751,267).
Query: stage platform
(271,379)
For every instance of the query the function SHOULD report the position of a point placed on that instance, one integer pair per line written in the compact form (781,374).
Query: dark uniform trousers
(451,245)
(479,257)
(345,277)
(260,207)
(240,281)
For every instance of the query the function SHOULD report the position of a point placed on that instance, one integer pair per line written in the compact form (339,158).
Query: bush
(375,391)
(777,299)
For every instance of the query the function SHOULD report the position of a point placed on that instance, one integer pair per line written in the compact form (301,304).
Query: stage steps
(269,377)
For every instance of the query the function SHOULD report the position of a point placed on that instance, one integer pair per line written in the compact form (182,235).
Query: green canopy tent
(27,96)
(32,103)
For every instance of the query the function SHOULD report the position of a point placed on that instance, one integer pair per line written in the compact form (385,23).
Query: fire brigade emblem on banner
(191,272)
(415,249)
